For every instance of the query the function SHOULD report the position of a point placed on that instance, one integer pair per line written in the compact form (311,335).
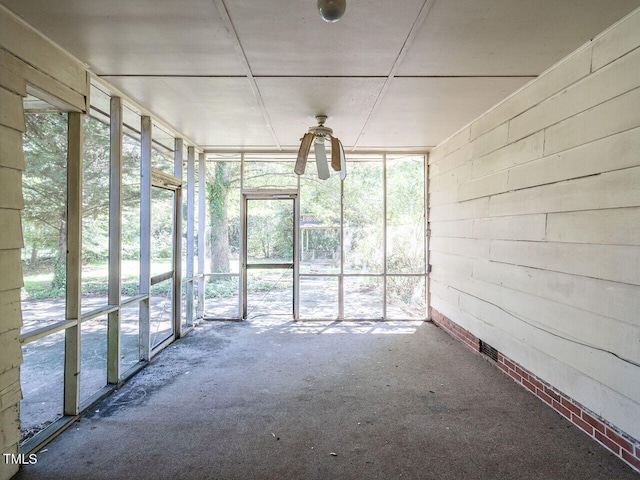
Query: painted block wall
(12,89)
(535,226)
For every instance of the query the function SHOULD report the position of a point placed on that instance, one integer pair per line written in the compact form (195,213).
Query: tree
(44,189)
(95,191)
(218,186)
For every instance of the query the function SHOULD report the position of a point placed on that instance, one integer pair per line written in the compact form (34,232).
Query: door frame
(165,181)
(269,194)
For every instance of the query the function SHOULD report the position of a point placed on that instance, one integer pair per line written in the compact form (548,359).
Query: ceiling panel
(210,111)
(288,37)
(177,59)
(293,103)
(421,112)
(503,37)
(137,37)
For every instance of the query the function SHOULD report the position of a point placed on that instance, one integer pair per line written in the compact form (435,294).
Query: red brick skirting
(612,438)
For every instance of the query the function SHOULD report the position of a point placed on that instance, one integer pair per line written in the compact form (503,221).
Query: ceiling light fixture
(332,10)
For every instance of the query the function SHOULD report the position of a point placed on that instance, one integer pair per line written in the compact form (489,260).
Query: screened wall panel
(319,297)
(222,237)
(364,218)
(129,336)
(162,155)
(363,298)
(222,229)
(44,186)
(42,374)
(161,322)
(361,247)
(405,215)
(93,351)
(95,214)
(320,212)
(86,238)
(406,297)
(259,173)
(130,259)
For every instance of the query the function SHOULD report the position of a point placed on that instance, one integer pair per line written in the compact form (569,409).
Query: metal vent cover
(489,351)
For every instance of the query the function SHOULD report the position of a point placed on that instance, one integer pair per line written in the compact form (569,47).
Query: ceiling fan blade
(321,160)
(335,154)
(343,162)
(303,153)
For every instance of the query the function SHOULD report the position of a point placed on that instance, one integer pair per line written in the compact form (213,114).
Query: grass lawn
(37,283)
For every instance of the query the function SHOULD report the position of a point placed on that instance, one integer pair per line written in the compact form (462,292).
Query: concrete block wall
(598,428)
(12,89)
(534,214)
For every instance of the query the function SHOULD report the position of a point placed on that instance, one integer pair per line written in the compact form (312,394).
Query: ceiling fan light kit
(332,10)
(317,136)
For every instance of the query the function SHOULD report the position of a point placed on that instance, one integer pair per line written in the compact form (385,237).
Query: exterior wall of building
(535,232)
(12,89)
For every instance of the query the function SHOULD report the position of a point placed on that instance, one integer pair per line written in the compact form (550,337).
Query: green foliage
(228,287)
(44,190)
(363,195)
(44,218)
(38,290)
(270,229)
(45,194)
(217,192)
(223,287)
(130,198)
(59,275)
(405,191)
(161,224)
(218,187)
(162,288)
(408,293)
(37,284)
(130,288)
(268,236)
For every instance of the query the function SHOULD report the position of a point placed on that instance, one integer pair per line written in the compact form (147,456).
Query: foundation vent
(489,351)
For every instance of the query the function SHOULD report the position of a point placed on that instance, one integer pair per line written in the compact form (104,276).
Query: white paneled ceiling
(251,75)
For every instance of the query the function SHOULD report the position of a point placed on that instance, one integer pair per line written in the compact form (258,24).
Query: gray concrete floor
(269,399)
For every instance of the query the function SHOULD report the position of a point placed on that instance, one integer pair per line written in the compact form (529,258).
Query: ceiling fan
(317,135)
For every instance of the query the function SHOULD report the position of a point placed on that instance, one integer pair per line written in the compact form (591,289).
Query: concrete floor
(270,399)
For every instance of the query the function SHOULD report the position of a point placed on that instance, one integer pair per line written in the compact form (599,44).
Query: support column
(74,265)
(384,236)
(115,240)
(191,205)
(177,243)
(341,276)
(427,238)
(202,188)
(296,255)
(145,236)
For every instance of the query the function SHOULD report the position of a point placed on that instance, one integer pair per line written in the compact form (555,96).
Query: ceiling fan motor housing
(321,131)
